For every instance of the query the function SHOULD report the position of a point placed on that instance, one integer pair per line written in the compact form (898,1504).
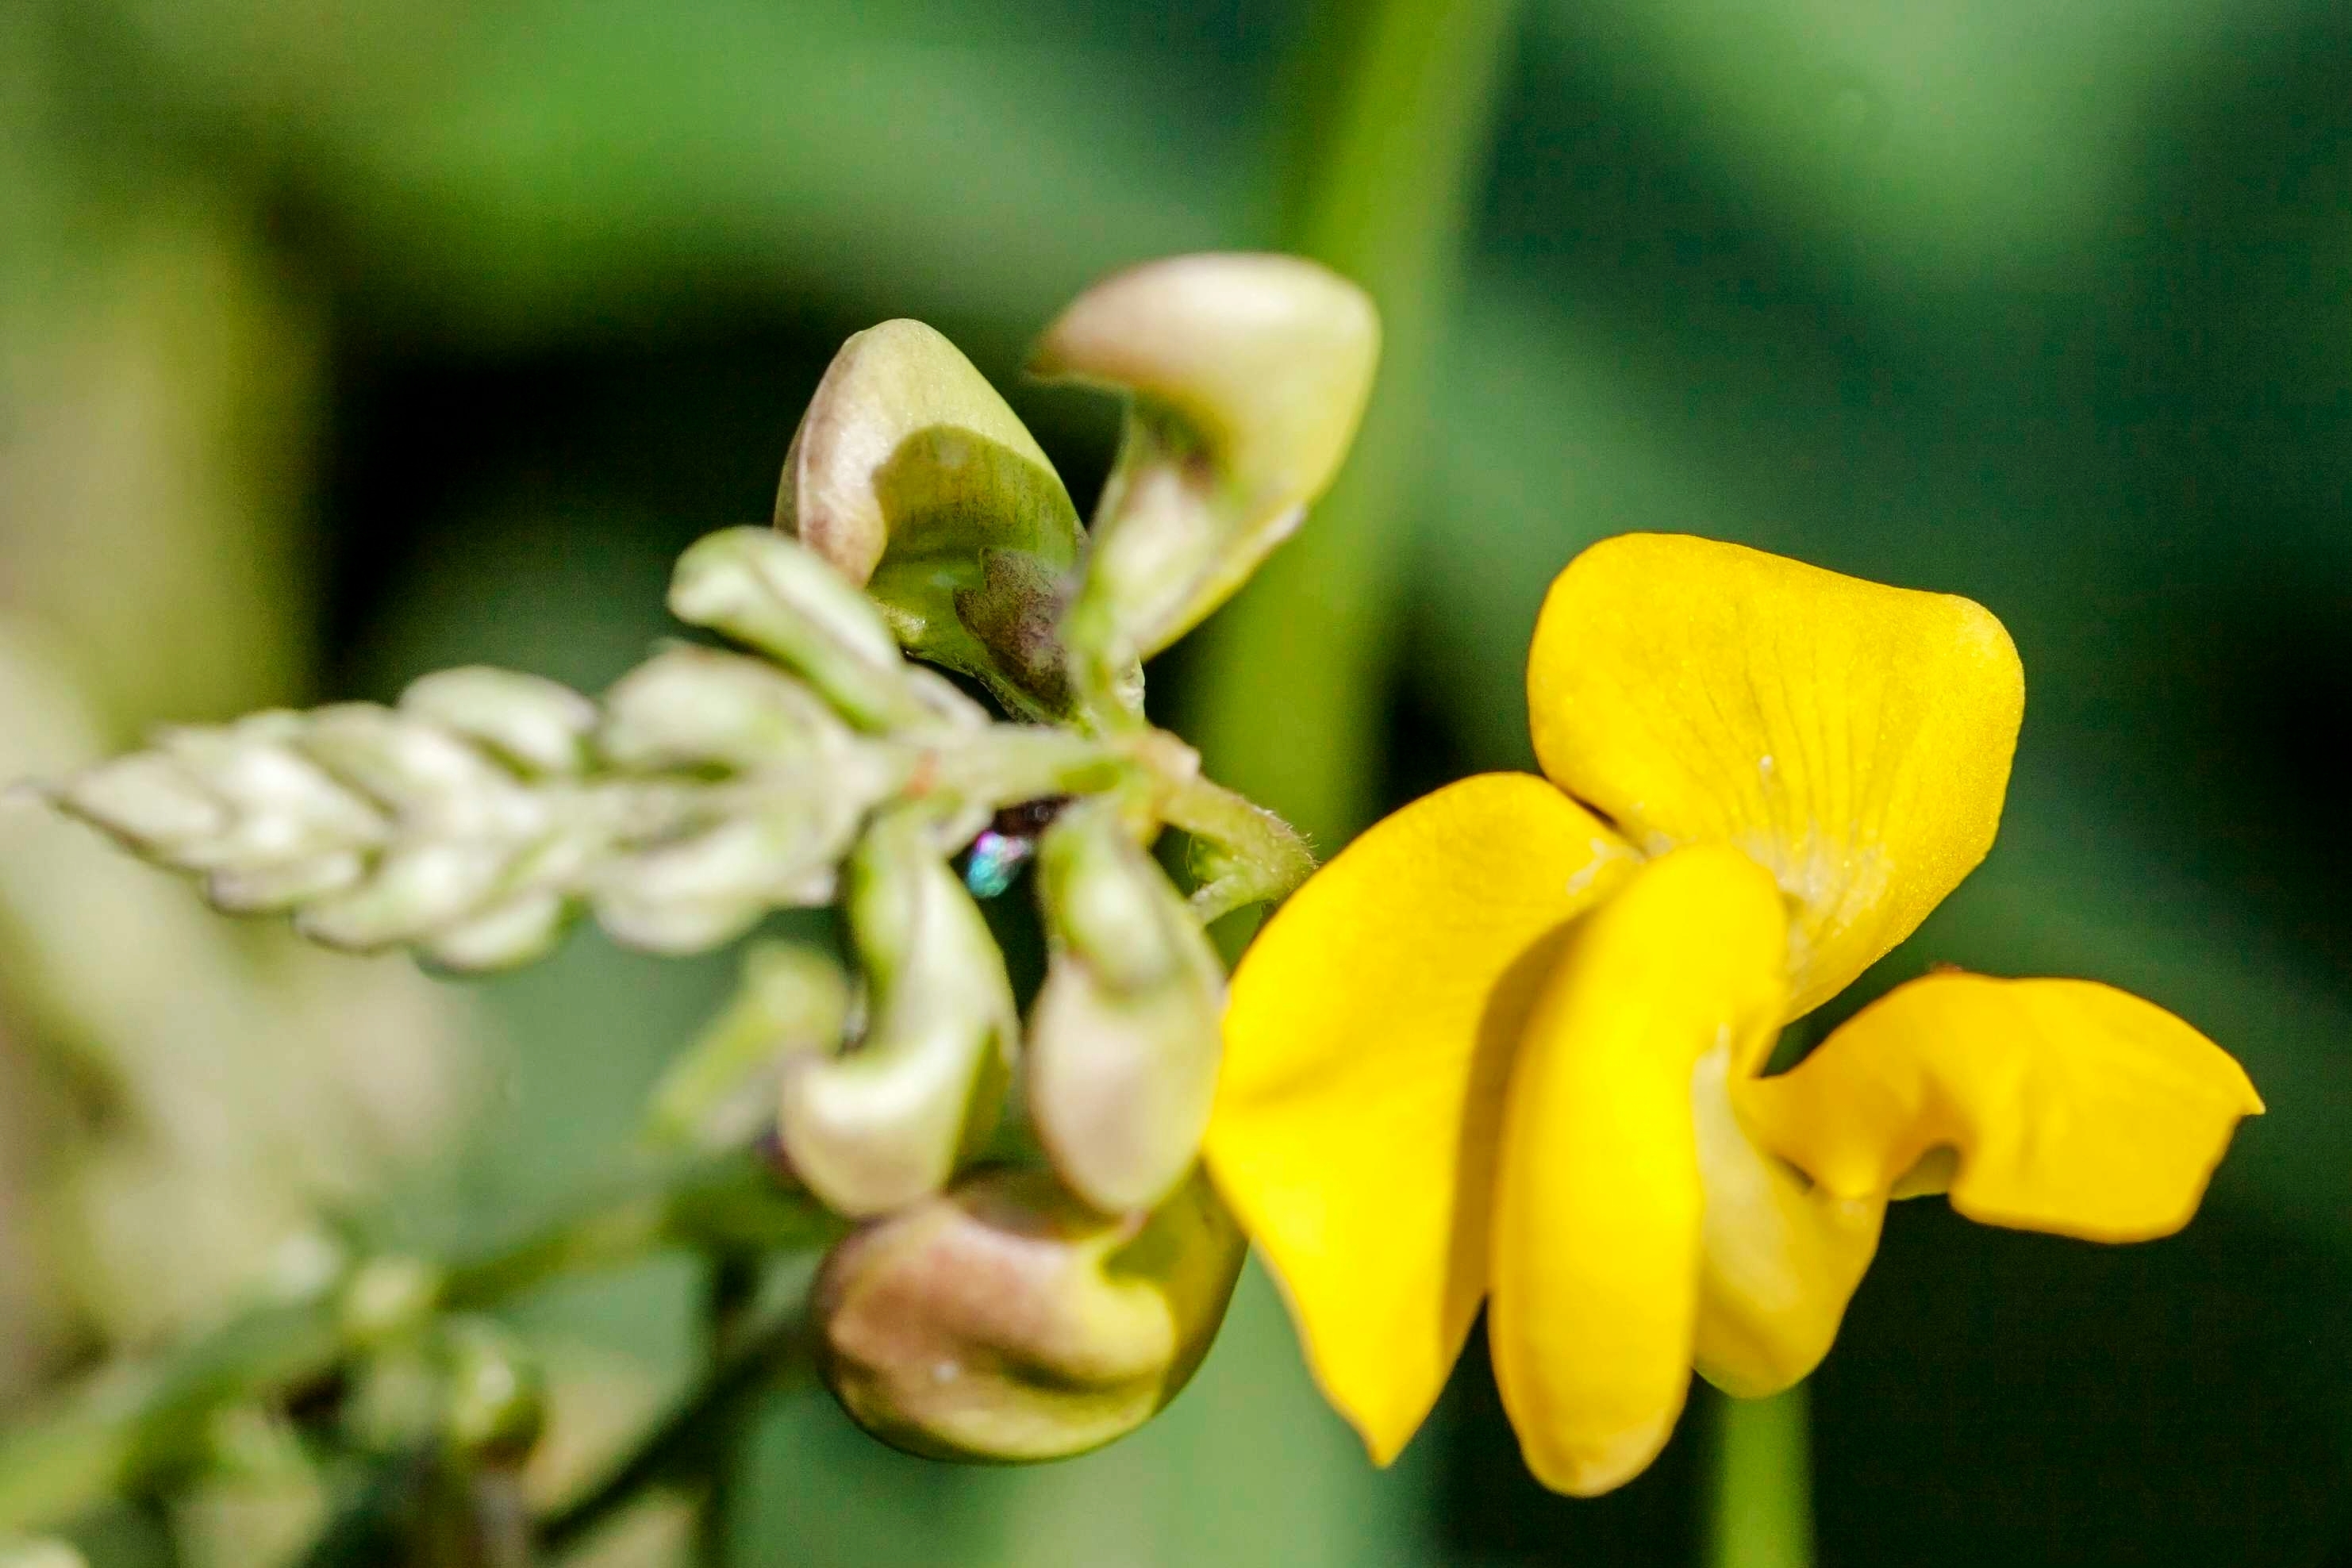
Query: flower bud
(150,800)
(388,1298)
(415,890)
(269,888)
(1005,1321)
(1247,375)
(885,1123)
(537,725)
(282,806)
(791,1001)
(46,1552)
(505,933)
(689,707)
(1124,1039)
(915,479)
(709,885)
(767,593)
(494,1397)
(417,768)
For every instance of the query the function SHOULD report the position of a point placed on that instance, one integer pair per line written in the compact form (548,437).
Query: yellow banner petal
(1855,739)
(1367,1043)
(2071,1107)
(1599,1206)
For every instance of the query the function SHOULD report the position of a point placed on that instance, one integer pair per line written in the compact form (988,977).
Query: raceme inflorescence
(1039,1265)
(1509,1049)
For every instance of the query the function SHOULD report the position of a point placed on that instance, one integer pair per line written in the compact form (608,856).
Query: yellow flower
(1510,1043)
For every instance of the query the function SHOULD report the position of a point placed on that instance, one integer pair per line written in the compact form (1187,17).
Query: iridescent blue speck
(995,859)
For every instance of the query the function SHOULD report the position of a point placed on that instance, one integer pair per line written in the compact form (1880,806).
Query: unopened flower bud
(769,593)
(1005,1321)
(494,1396)
(149,800)
(1247,375)
(883,1123)
(915,479)
(388,1299)
(537,725)
(47,1552)
(689,707)
(282,806)
(710,885)
(1123,1039)
(416,768)
(264,889)
(415,890)
(502,934)
(791,1001)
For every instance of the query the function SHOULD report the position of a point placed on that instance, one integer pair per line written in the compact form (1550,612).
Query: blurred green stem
(1398,102)
(138,1422)
(1761,1508)
(770,1341)
(729,1295)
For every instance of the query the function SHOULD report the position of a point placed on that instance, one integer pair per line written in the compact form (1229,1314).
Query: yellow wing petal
(1781,1257)
(2071,1107)
(1599,1209)
(1367,1044)
(1854,738)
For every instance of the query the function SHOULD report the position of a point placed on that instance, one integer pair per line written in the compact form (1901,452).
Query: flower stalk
(1760,1483)
(137,1424)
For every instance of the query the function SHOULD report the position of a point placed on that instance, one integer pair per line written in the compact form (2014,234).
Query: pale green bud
(150,800)
(1006,1321)
(885,1123)
(251,1442)
(282,806)
(1124,1037)
(1247,375)
(388,1299)
(47,1552)
(769,593)
(266,889)
(502,934)
(721,1090)
(537,725)
(494,1396)
(416,888)
(707,887)
(915,479)
(688,706)
(415,767)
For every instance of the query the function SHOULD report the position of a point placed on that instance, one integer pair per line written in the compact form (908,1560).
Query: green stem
(1255,856)
(1400,99)
(136,1423)
(771,1344)
(731,1292)
(1760,1508)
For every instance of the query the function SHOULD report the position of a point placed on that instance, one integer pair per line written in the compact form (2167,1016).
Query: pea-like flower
(1510,1045)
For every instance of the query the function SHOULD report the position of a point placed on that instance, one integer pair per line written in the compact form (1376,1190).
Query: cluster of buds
(1037,1264)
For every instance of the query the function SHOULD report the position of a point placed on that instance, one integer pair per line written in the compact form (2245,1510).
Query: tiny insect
(1006,844)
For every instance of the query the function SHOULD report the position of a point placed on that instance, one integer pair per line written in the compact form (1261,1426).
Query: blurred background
(341,341)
